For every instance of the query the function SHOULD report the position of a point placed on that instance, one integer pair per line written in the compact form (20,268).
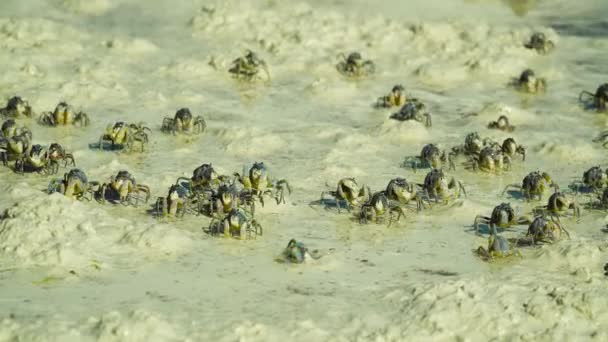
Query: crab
(349,193)
(124,188)
(229,196)
(593,179)
(559,203)
(184,122)
(396,98)
(74,184)
(378,207)
(606,270)
(124,135)
(502,124)
(602,138)
(413,109)
(295,252)
(204,178)
(258,182)
(473,144)
(64,115)
(43,159)
(599,100)
(602,202)
(177,203)
(11,129)
(489,159)
(16,146)
(540,43)
(529,83)
(431,157)
(546,230)
(16,107)
(399,190)
(498,247)
(533,185)
(511,148)
(355,66)
(503,216)
(436,186)
(248,67)
(237,223)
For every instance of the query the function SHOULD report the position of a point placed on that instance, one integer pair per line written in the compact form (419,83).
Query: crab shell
(503,214)
(473,143)
(295,252)
(432,155)
(37,156)
(498,246)
(400,189)
(348,189)
(595,177)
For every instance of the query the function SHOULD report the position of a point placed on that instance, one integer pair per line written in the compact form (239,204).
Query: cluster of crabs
(353,66)
(117,136)
(545,225)
(398,196)
(229,201)
(17,146)
(482,154)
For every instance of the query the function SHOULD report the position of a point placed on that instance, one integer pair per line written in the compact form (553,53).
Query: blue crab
(184,122)
(248,67)
(413,109)
(503,216)
(125,136)
(238,223)
(511,148)
(260,184)
(502,124)
(489,159)
(64,115)
(597,100)
(431,157)
(177,203)
(16,107)
(74,184)
(396,98)
(529,83)
(403,192)
(349,193)
(558,204)
(533,185)
(498,247)
(546,230)
(16,146)
(124,188)
(296,252)
(437,187)
(378,207)
(539,42)
(354,66)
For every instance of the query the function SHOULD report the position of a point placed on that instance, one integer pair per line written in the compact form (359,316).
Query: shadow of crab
(107,147)
(331,204)
(515,194)
(484,228)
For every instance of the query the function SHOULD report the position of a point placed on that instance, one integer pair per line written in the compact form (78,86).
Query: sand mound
(137,325)
(56,231)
